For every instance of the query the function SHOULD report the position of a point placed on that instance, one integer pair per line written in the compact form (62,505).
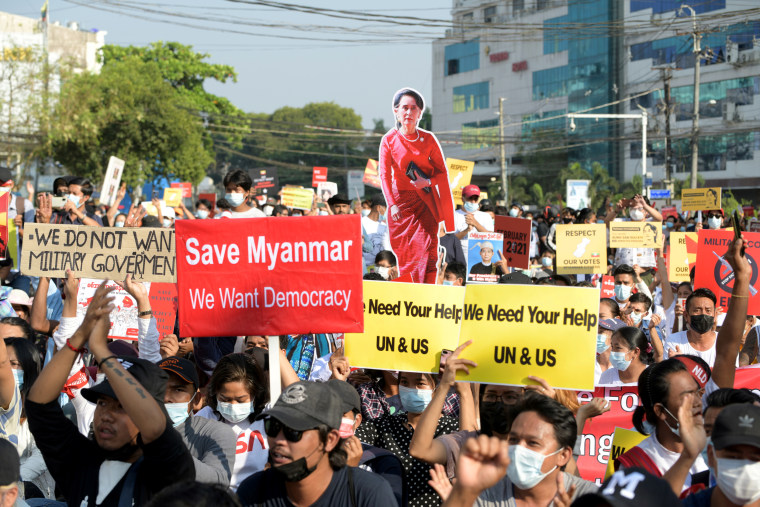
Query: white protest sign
(124,315)
(112,181)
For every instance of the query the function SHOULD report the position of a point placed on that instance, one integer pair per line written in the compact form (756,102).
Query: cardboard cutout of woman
(415,184)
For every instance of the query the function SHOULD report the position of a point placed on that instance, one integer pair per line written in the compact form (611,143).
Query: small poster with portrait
(483,256)
(632,234)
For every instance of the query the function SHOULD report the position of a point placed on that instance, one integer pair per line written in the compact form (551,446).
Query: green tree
(128,111)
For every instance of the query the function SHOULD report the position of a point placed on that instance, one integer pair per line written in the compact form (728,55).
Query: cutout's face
(486,254)
(407,112)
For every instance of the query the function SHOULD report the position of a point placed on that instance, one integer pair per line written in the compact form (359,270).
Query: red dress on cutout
(414,236)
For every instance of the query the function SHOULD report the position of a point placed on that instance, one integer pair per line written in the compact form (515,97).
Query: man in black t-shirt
(307,463)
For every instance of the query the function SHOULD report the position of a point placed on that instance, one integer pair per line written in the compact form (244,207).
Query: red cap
(470,190)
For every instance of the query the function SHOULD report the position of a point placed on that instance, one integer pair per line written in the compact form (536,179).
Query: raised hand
(564,497)
(691,428)
(97,316)
(169,346)
(595,407)
(71,286)
(483,461)
(45,209)
(439,481)
(339,365)
(454,364)
(543,387)
(135,289)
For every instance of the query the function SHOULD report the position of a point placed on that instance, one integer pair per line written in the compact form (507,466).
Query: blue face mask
(669,225)
(201,213)
(514,212)
(682,229)
(470,207)
(622,292)
(73,198)
(601,343)
(546,262)
(18,375)
(177,412)
(617,360)
(119,224)
(381,218)
(414,400)
(235,199)
(636,318)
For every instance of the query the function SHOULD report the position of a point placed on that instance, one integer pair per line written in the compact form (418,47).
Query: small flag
(44,12)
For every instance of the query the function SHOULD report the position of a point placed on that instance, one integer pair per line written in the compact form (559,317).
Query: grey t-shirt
(212,445)
(502,494)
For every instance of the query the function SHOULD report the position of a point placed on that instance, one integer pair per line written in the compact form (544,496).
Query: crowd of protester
(183,421)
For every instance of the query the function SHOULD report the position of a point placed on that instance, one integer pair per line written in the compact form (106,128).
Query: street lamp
(643,118)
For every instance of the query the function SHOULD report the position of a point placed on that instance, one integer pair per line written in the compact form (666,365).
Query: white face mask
(234,412)
(514,212)
(268,210)
(739,480)
(637,215)
(714,223)
(365,212)
(235,198)
(383,271)
(525,466)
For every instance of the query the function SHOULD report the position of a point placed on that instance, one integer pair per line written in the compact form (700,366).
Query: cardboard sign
(753,225)
(265,180)
(581,248)
(13,244)
(173,197)
(210,197)
(112,181)
(123,317)
(607,287)
(460,175)
(623,440)
(577,194)
(319,175)
(371,176)
(522,330)
(516,245)
(355,184)
(5,201)
(270,276)
(406,326)
(164,303)
(698,199)
(636,234)
(683,255)
(298,198)
(669,211)
(715,273)
(187,188)
(482,255)
(99,252)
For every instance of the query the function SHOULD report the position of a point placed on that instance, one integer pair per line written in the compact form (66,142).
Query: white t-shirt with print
(665,459)
(251,450)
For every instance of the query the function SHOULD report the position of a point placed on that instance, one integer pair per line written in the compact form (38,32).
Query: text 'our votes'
(259,251)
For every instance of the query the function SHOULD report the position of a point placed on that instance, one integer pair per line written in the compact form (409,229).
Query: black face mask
(567,220)
(294,471)
(701,323)
(495,416)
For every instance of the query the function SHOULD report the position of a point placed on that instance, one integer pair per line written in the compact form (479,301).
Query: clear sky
(282,57)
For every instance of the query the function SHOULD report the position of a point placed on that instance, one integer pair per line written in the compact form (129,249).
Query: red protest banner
(607,286)
(715,273)
(596,440)
(270,276)
(187,188)
(516,246)
(164,303)
(371,176)
(318,176)
(669,211)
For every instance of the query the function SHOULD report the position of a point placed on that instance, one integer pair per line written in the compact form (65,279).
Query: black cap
(305,405)
(338,198)
(5,175)
(148,375)
(631,487)
(349,398)
(10,464)
(182,368)
(122,348)
(516,278)
(737,425)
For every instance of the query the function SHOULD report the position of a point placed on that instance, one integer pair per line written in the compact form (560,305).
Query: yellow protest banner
(299,198)
(697,199)
(683,255)
(521,330)
(406,325)
(173,197)
(636,235)
(622,441)
(460,175)
(581,248)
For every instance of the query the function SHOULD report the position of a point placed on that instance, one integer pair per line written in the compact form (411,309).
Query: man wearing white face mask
(734,457)
(541,442)
(211,443)
(469,218)
(626,278)
(237,185)
(74,212)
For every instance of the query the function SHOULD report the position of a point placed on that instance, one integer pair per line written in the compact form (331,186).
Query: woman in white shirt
(630,355)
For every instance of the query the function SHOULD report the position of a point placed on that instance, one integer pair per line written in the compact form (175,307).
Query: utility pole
(502,147)
(697,36)
(666,75)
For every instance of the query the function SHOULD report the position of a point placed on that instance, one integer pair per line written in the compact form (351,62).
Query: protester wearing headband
(308,465)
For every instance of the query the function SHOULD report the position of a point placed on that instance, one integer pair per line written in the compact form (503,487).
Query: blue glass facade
(462,57)
(588,80)
(662,6)
(471,97)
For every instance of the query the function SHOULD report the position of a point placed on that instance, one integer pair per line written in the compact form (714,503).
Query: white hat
(168,212)
(19,297)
